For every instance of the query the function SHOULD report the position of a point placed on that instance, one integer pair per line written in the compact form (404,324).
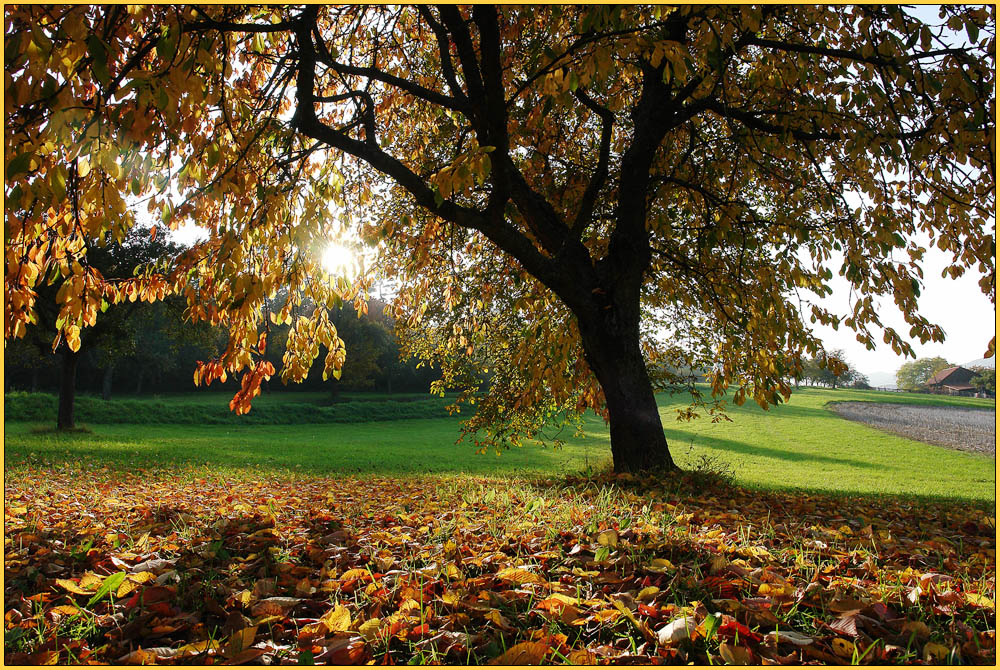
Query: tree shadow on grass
(683,437)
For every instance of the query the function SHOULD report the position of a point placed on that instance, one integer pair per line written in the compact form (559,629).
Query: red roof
(942,375)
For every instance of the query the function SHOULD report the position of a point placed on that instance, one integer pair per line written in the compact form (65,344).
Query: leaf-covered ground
(168,567)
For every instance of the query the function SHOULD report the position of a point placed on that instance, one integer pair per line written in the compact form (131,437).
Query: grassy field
(801,445)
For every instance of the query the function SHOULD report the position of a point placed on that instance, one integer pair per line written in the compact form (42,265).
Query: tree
(985,380)
(568,195)
(914,375)
(110,339)
(367,342)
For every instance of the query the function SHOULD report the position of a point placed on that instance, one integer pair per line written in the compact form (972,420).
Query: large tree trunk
(109,372)
(613,353)
(67,389)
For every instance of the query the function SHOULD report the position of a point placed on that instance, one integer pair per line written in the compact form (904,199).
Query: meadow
(793,536)
(799,445)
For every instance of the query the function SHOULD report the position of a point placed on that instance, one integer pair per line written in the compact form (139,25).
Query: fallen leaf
(735,654)
(676,630)
(523,653)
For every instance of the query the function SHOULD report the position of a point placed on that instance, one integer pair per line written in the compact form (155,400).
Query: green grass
(801,445)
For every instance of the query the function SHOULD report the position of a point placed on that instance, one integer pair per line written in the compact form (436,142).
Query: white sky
(957,305)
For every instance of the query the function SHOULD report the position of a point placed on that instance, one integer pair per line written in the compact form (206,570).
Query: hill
(982,363)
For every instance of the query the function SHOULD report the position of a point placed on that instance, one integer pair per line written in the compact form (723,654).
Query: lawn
(800,445)
(385,542)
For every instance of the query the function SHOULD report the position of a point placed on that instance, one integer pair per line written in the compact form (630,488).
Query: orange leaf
(523,653)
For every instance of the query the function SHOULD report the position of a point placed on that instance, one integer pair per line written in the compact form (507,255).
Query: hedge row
(42,407)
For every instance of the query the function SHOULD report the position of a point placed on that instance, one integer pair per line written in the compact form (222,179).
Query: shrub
(41,407)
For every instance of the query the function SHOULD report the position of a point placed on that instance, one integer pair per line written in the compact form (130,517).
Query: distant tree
(858,380)
(985,379)
(914,375)
(368,343)
(111,336)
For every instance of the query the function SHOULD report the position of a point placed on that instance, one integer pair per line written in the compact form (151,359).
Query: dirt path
(954,427)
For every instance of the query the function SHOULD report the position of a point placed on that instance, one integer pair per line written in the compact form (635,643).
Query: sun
(339,259)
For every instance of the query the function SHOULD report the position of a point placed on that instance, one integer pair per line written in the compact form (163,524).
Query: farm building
(952,381)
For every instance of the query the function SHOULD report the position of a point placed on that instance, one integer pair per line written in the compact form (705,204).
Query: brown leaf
(274,606)
(523,653)
(735,654)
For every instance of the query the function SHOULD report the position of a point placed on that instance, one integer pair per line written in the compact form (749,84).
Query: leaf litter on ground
(104,566)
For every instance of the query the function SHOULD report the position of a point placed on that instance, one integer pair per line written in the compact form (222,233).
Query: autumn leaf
(523,653)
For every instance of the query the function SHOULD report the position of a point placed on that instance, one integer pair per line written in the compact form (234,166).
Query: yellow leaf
(519,576)
(199,647)
(843,648)
(979,600)
(65,610)
(125,588)
(369,629)
(648,593)
(72,587)
(337,619)
(563,598)
(356,573)
(582,657)
(935,653)
(240,640)
(660,565)
(90,580)
(608,538)
(606,615)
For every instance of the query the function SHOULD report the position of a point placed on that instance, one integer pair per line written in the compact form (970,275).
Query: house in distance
(952,381)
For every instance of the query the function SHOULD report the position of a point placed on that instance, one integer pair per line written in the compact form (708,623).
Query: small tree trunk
(138,380)
(335,389)
(67,389)
(637,440)
(34,379)
(106,382)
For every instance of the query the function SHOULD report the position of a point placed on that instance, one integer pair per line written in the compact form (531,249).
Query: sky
(959,306)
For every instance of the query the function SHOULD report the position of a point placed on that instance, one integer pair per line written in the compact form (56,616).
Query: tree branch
(586,211)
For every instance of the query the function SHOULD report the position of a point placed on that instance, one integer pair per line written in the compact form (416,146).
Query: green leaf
(973,30)
(20,163)
(166,46)
(306,658)
(111,583)
(712,623)
(99,59)
(602,554)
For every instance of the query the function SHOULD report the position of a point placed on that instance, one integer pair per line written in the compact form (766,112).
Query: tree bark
(109,372)
(67,389)
(138,380)
(613,353)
